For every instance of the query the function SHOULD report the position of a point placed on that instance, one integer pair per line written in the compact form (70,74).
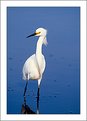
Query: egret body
(35,65)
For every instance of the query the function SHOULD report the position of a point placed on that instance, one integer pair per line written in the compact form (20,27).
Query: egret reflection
(25,109)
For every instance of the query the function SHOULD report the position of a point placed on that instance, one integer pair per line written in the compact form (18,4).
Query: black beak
(31,35)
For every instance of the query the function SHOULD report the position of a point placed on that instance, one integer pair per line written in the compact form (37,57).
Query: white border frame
(82,5)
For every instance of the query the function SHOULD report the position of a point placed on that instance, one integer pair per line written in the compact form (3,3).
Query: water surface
(60,86)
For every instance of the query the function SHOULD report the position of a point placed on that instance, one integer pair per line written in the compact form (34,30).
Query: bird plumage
(31,69)
(35,65)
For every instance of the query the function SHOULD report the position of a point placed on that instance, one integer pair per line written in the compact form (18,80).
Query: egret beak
(31,35)
(36,33)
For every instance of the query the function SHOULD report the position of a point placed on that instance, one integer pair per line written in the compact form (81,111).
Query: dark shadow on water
(25,109)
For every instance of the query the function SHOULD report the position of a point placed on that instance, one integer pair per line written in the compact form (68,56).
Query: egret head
(39,32)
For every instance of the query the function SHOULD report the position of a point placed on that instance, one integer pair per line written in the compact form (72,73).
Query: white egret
(35,65)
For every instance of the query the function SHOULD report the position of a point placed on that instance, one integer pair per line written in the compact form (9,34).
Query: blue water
(60,86)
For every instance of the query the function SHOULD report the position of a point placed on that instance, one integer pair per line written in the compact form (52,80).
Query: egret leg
(24,100)
(38,94)
(25,88)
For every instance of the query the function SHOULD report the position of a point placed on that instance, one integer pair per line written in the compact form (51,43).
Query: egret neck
(39,46)
(39,51)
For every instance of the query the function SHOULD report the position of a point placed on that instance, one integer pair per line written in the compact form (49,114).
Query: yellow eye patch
(38,33)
